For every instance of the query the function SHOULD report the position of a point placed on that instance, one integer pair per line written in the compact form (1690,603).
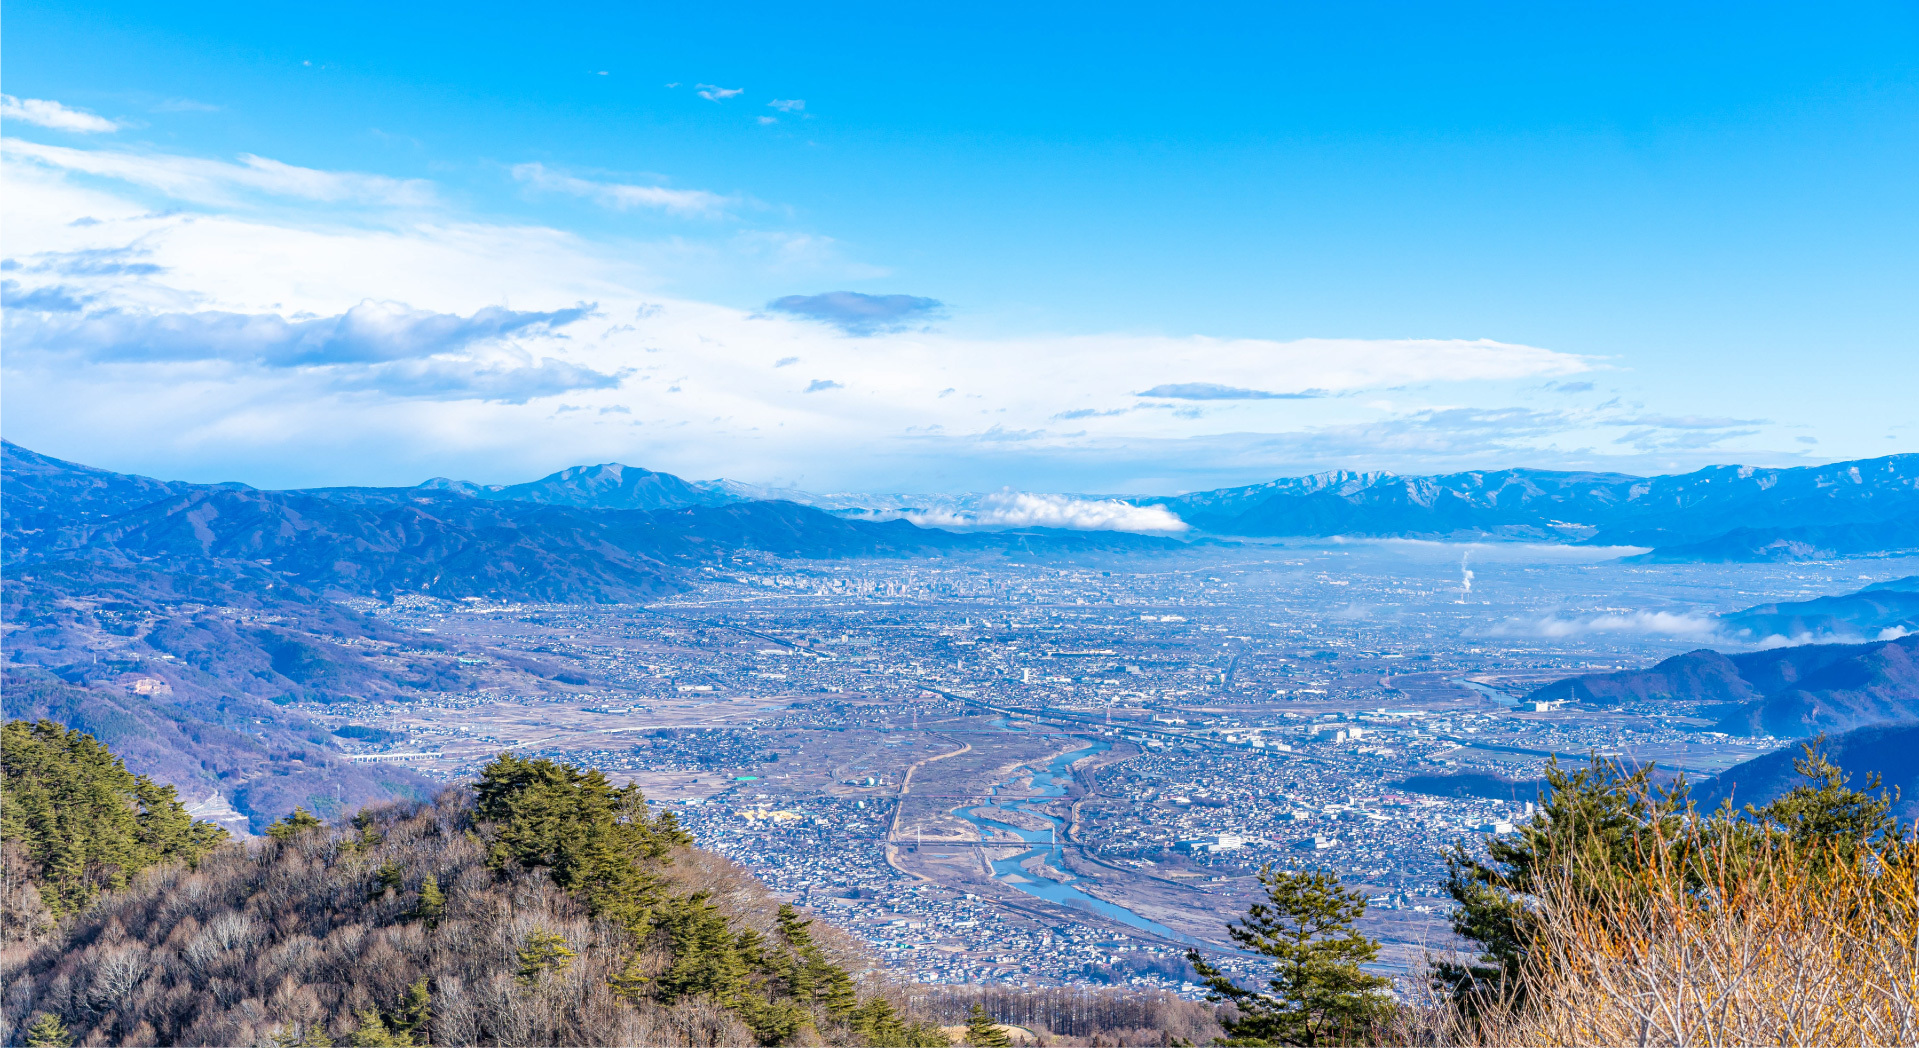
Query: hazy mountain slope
(1886,606)
(1891,750)
(381,542)
(49,503)
(1768,545)
(1879,682)
(1781,691)
(219,662)
(444,545)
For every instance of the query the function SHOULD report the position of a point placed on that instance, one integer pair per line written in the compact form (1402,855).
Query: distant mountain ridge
(1720,513)
(442,542)
(1787,692)
(1881,611)
(609,485)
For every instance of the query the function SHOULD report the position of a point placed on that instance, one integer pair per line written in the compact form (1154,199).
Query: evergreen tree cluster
(81,821)
(602,845)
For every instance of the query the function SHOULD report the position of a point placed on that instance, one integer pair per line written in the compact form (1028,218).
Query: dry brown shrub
(1742,941)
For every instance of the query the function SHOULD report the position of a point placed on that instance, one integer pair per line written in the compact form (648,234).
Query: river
(1050,780)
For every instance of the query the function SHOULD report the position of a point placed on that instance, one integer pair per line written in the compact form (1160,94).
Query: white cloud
(624,197)
(788,105)
(218,182)
(48,113)
(701,394)
(1029,510)
(714,93)
(1683,625)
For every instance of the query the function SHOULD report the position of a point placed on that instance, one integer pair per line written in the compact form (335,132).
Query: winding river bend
(1049,781)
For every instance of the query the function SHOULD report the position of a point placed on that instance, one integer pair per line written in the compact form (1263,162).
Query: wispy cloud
(715,93)
(50,114)
(94,262)
(625,197)
(1681,440)
(1079,413)
(859,314)
(788,105)
(221,183)
(1215,391)
(51,299)
(368,333)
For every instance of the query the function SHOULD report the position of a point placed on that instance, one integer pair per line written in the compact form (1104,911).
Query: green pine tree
(391,877)
(1824,811)
(432,904)
(706,955)
(544,953)
(415,1013)
(984,1031)
(1318,994)
(1606,826)
(312,1036)
(47,1031)
(877,1025)
(297,822)
(373,1032)
(631,982)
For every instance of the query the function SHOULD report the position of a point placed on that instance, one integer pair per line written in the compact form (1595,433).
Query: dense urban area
(1042,773)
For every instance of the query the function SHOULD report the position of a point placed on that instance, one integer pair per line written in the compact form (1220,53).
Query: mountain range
(1801,513)
(595,534)
(1710,515)
(1718,514)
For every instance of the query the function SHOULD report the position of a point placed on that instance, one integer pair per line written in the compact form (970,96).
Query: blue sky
(1406,237)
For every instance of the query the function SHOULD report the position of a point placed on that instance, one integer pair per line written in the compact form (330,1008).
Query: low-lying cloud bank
(1028,510)
(1637,623)
(1704,630)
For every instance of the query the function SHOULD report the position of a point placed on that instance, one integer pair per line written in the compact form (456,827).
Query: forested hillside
(543,906)
(75,822)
